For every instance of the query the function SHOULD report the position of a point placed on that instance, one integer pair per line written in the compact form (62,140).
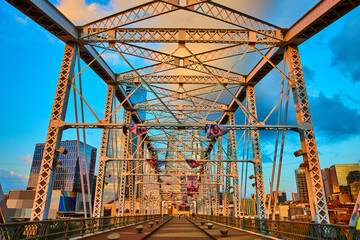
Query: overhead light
(62,150)
(253,185)
(252,177)
(58,163)
(106,183)
(108,175)
(298,153)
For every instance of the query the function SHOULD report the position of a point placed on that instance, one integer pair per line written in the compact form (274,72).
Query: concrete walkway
(179,228)
(233,234)
(128,233)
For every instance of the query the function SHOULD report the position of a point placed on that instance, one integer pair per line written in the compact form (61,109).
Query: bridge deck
(233,234)
(177,228)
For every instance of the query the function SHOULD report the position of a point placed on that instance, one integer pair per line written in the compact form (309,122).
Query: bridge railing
(289,229)
(66,228)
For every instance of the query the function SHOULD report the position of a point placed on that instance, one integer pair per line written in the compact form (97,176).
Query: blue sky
(32,58)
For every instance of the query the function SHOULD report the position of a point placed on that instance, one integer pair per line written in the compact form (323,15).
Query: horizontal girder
(173,35)
(180,160)
(179,79)
(181,107)
(163,67)
(185,126)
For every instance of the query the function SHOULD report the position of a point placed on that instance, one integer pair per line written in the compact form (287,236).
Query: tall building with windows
(302,185)
(295,196)
(67,175)
(342,173)
(327,180)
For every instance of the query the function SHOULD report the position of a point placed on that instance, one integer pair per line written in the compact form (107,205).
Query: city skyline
(327,59)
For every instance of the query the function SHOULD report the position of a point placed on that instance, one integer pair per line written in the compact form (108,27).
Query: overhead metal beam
(195,66)
(181,107)
(317,18)
(179,79)
(176,35)
(184,126)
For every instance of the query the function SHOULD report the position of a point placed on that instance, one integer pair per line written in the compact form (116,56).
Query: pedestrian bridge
(174,227)
(154,155)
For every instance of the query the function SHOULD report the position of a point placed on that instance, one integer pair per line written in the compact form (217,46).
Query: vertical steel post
(218,178)
(226,202)
(131,178)
(208,190)
(124,166)
(140,170)
(233,155)
(45,182)
(255,141)
(102,154)
(307,136)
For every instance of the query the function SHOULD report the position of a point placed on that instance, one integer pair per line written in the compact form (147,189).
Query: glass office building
(67,175)
(302,185)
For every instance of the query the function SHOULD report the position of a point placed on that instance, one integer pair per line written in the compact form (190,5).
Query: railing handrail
(283,221)
(288,229)
(70,219)
(67,228)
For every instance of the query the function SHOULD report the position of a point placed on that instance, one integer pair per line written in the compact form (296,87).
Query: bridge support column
(131,178)
(307,136)
(139,167)
(255,141)
(208,189)
(232,155)
(124,166)
(226,202)
(102,154)
(220,179)
(45,181)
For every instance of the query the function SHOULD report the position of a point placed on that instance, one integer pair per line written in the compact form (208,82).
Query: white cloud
(21,20)
(11,181)
(27,159)
(80,13)
(112,58)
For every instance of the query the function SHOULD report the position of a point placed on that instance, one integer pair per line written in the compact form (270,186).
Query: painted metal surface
(177,106)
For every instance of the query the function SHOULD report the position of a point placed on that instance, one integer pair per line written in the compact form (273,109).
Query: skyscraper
(67,175)
(341,173)
(295,196)
(328,185)
(301,185)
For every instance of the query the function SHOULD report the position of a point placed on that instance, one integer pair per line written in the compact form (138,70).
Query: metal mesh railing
(66,228)
(289,230)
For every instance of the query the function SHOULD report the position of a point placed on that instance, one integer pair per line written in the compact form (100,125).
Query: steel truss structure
(176,96)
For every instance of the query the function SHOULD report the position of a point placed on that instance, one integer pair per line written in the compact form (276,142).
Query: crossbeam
(179,79)
(295,128)
(181,160)
(182,107)
(176,35)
